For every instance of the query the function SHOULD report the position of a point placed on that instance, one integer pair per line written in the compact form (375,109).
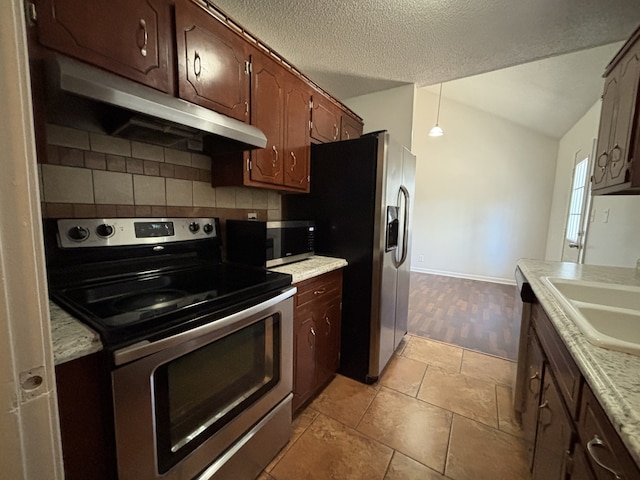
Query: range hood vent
(131,110)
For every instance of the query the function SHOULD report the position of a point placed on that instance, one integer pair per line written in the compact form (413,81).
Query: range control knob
(104,230)
(78,234)
(194,227)
(208,228)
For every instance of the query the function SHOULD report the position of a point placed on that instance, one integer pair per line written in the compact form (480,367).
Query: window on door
(574,219)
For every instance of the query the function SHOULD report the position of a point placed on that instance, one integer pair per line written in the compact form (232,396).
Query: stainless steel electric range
(200,350)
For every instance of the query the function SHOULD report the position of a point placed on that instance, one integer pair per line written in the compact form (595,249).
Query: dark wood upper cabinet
(350,127)
(297,115)
(267,95)
(325,119)
(213,62)
(616,166)
(132,38)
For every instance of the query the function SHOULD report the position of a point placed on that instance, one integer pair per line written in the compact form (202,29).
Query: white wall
(390,110)
(483,192)
(579,138)
(616,242)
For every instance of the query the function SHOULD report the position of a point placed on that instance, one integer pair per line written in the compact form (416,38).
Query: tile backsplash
(88,174)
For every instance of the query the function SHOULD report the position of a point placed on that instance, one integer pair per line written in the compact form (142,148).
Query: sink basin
(607,314)
(600,293)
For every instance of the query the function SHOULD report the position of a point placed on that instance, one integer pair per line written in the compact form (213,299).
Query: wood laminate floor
(468,313)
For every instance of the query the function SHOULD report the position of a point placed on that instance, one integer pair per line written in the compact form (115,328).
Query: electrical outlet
(421,258)
(605,215)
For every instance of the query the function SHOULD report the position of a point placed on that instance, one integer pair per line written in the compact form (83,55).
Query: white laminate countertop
(613,376)
(73,339)
(311,267)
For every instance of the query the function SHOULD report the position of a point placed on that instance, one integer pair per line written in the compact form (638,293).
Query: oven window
(200,392)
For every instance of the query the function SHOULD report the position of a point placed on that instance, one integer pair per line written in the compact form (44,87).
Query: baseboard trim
(481,278)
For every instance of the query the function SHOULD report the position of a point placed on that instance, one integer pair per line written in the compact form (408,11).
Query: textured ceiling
(355,47)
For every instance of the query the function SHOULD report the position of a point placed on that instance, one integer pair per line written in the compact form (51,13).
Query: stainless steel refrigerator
(362,200)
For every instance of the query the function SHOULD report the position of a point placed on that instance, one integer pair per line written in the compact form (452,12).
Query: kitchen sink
(607,314)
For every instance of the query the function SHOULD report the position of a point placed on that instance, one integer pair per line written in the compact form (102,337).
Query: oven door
(183,401)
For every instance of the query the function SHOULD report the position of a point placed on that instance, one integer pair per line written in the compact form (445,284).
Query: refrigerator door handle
(405,226)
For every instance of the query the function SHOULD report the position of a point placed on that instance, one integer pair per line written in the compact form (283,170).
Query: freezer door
(403,254)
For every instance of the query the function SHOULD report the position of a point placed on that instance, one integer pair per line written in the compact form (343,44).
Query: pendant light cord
(439,100)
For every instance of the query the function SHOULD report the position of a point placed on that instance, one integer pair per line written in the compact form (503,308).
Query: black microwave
(269,244)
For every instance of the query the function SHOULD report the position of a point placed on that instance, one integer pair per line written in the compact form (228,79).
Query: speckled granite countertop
(312,267)
(613,376)
(73,339)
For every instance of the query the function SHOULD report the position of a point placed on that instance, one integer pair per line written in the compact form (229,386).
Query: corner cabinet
(616,168)
(132,38)
(213,62)
(569,435)
(280,107)
(317,322)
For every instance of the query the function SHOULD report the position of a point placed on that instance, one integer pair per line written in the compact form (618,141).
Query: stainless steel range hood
(138,112)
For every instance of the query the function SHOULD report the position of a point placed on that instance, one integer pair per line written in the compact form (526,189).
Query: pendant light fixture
(436,131)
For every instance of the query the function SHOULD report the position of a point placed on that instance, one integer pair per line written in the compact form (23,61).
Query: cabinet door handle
(275,156)
(320,291)
(591,445)
(618,150)
(197,64)
(145,37)
(326,319)
(337,131)
(295,161)
(545,406)
(601,164)
(346,133)
(536,376)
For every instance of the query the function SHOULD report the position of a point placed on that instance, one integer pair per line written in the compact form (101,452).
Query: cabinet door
(629,74)
(328,355)
(350,127)
(608,456)
(304,363)
(129,37)
(605,131)
(325,118)
(297,115)
(580,468)
(533,387)
(213,62)
(554,435)
(267,93)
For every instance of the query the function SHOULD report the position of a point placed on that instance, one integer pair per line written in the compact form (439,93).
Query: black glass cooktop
(149,305)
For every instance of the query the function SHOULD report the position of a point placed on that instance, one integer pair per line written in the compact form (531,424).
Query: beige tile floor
(438,412)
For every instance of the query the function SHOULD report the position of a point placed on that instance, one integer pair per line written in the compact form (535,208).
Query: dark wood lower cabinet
(317,323)
(555,434)
(572,436)
(86,421)
(533,388)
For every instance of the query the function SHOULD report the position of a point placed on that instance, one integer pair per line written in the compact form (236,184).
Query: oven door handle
(145,347)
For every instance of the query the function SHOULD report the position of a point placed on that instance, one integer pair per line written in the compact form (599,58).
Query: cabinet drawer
(327,286)
(564,368)
(602,442)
